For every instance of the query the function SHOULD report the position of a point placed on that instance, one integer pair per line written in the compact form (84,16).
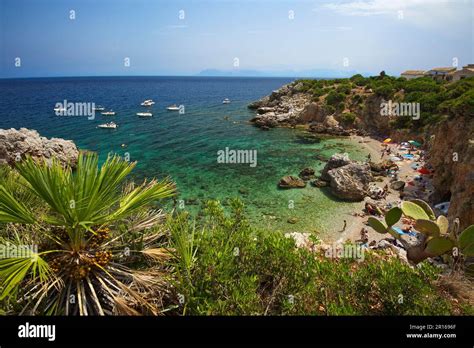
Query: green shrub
(334,98)
(329,109)
(348,117)
(344,89)
(357,99)
(238,270)
(464,104)
(424,84)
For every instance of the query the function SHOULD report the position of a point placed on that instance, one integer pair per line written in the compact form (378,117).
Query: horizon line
(197,76)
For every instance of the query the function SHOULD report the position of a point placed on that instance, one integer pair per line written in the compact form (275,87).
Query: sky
(173,37)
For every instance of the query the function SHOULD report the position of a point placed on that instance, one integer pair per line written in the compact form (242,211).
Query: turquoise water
(185,146)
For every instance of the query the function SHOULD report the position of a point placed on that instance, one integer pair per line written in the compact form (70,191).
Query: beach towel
(401,232)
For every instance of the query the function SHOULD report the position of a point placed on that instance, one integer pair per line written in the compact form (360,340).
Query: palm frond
(13,271)
(142,196)
(12,210)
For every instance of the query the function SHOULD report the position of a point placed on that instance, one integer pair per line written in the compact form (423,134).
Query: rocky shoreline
(289,106)
(359,115)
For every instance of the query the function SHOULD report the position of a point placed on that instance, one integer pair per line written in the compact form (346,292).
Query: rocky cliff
(16,144)
(451,154)
(291,105)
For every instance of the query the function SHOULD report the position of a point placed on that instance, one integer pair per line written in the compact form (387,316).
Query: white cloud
(425,13)
(383,7)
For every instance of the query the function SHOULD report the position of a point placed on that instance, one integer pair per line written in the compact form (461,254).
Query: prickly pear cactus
(437,238)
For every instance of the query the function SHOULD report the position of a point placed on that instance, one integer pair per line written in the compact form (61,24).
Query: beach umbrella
(387,140)
(414,143)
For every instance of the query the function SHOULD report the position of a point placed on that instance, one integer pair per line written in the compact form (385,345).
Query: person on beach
(369,157)
(344,227)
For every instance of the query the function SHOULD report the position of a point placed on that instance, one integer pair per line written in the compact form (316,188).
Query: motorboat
(226,101)
(98,108)
(108,125)
(148,102)
(59,109)
(144,114)
(108,113)
(173,107)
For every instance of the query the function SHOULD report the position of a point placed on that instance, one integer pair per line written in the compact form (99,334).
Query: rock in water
(291,182)
(350,182)
(16,144)
(319,183)
(307,174)
(337,160)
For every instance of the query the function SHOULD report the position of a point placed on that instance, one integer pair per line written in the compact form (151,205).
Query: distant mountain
(237,72)
(322,73)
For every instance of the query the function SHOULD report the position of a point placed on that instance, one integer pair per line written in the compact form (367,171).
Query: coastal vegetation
(436,237)
(98,244)
(71,239)
(438,99)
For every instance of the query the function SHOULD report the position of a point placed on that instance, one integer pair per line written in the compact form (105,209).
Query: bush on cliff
(348,118)
(334,98)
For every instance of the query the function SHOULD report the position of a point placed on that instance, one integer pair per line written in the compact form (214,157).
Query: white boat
(98,108)
(226,101)
(148,102)
(59,109)
(109,125)
(144,114)
(173,107)
(108,113)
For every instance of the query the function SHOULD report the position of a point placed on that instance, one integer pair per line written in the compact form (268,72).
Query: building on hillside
(466,71)
(412,74)
(441,73)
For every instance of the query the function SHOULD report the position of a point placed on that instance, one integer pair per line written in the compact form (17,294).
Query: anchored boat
(173,107)
(148,102)
(108,125)
(144,114)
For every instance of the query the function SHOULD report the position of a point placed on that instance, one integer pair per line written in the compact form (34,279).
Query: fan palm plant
(81,230)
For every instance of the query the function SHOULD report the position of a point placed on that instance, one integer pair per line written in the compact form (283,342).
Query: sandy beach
(355,221)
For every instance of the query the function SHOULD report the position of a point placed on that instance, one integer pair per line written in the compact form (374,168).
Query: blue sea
(185,146)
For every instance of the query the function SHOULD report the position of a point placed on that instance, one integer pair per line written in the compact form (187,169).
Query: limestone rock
(337,160)
(350,182)
(289,181)
(307,174)
(16,144)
